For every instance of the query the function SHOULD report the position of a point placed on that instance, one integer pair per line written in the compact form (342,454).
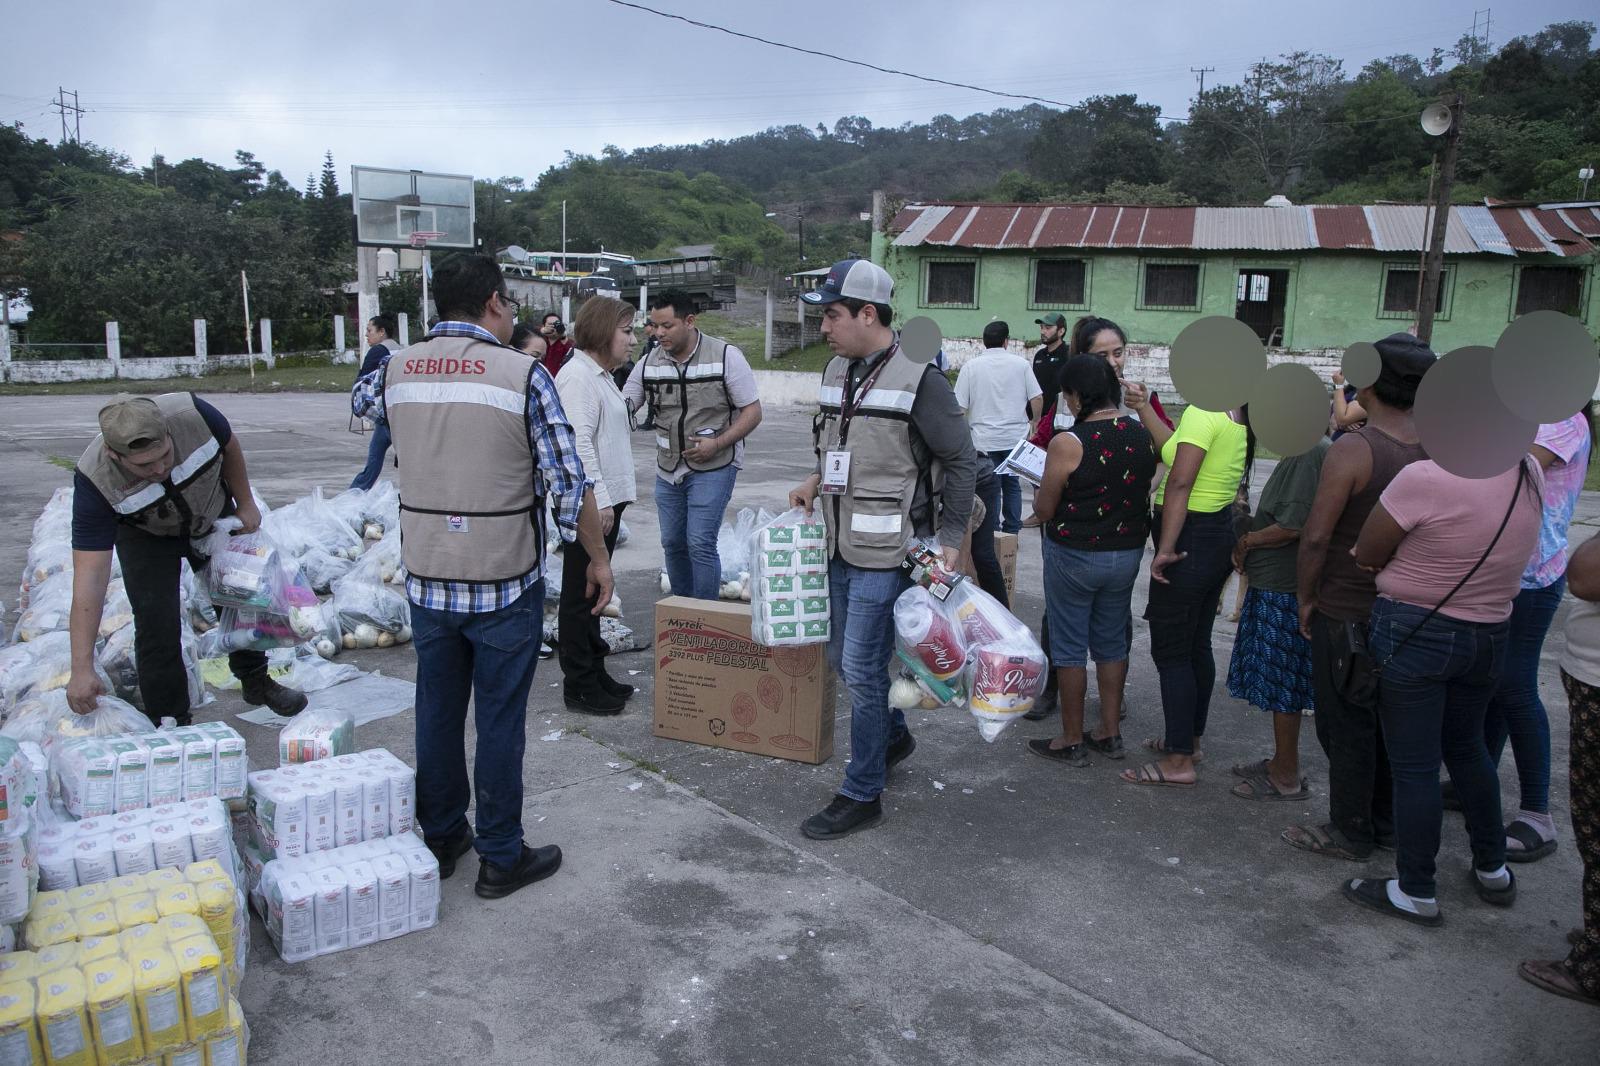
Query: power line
(1202,71)
(836,58)
(60,104)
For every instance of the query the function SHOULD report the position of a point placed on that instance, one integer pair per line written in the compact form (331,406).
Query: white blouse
(599,418)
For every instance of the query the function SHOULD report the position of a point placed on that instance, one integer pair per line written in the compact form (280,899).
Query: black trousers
(581,649)
(150,572)
(1360,789)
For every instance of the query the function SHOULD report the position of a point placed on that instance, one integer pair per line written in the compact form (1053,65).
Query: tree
(1274,122)
(1106,139)
(330,214)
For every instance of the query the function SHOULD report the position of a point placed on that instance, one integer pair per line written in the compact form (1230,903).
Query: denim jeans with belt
(860,652)
(1431,697)
(1515,709)
(487,658)
(1181,612)
(690,514)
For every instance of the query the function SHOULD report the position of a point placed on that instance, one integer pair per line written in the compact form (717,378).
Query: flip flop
(1555,976)
(1159,746)
(1150,774)
(1321,840)
(1499,897)
(1534,847)
(1262,788)
(1374,895)
(1250,769)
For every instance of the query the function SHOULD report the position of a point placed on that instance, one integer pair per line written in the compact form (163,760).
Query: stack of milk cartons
(331,803)
(789,582)
(93,850)
(328,901)
(100,776)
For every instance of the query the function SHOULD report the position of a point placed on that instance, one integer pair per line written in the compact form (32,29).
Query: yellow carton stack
(64,1018)
(19,1036)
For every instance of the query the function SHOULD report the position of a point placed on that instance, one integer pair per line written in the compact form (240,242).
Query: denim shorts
(1088,598)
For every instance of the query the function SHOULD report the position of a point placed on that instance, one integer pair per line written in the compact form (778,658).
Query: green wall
(1333,297)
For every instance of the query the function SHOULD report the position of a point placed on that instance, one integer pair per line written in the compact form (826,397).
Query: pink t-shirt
(1449,521)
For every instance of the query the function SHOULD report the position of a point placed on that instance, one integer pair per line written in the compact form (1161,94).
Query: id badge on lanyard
(836,464)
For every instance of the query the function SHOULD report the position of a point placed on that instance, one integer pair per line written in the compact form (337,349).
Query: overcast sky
(507,88)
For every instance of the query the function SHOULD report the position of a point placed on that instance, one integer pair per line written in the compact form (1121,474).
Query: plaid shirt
(558,472)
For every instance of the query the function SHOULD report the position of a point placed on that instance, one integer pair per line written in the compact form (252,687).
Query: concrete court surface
(1007,911)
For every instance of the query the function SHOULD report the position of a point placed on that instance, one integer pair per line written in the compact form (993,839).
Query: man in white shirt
(989,389)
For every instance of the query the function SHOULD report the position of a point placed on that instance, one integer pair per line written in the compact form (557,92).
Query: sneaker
(611,686)
(448,851)
(262,691)
(592,701)
(546,650)
(842,817)
(899,751)
(535,864)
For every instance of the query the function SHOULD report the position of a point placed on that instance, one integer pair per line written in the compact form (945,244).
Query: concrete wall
(1334,299)
(49,371)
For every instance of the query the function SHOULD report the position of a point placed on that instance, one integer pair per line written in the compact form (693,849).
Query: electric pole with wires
(61,105)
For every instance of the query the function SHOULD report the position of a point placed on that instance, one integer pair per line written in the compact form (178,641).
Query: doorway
(1259,303)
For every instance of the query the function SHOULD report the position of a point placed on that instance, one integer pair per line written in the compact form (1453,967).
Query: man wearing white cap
(894,462)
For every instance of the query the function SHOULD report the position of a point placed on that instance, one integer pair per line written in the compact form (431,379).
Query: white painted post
(800,309)
(114,348)
(5,350)
(200,350)
(566,311)
(338,333)
(405,329)
(266,343)
(771,306)
(644,297)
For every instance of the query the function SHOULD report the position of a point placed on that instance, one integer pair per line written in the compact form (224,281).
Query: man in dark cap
(161,472)
(1336,599)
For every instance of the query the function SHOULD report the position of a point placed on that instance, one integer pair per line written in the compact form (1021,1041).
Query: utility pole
(1433,262)
(61,105)
(1202,71)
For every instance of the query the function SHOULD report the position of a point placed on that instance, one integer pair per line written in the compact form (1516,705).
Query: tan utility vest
(872,524)
(191,498)
(688,399)
(457,409)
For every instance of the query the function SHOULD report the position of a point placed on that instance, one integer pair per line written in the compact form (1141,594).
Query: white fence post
(5,351)
(404,321)
(338,333)
(800,308)
(200,350)
(266,343)
(566,312)
(644,297)
(771,306)
(114,348)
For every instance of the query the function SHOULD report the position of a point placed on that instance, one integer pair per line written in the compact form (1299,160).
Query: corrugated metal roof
(1497,229)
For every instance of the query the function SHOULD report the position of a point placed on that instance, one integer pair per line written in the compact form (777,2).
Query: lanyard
(848,408)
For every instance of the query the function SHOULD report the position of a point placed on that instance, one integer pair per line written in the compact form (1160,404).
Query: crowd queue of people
(1406,606)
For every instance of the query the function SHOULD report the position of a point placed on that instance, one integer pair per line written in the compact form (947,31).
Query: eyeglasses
(516,305)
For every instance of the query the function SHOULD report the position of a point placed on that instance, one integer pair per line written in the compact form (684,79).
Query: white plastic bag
(787,579)
(48,608)
(48,719)
(733,541)
(310,522)
(316,733)
(38,666)
(243,570)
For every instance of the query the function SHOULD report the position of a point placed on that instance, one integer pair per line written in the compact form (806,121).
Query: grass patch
(312,378)
(62,461)
(752,340)
(810,359)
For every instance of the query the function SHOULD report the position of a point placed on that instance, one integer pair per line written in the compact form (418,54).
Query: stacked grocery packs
(789,581)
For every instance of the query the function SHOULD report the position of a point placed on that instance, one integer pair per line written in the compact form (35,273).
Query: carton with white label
(363,901)
(321,813)
(424,869)
(394,896)
(292,916)
(87,772)
(166,768)
(199,763)
(133,772)
(346,808)
(333,909)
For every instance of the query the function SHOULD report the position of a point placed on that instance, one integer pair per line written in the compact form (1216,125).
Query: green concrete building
(1306,278)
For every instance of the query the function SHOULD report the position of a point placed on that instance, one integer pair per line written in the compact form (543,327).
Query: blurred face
(1049,334)
(675,334)
(374,335)
(148,464)
(851,336)
(1109,346)
(534,344)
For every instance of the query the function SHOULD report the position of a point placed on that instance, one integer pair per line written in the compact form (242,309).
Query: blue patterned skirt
(1271,666)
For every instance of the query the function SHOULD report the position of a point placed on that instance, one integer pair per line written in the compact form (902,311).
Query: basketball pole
(425,264)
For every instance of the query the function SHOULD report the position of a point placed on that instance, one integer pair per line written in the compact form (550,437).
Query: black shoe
(592,701)
(448,851)
(899,751)
(842,817)
(1500,897)
(1110,747)
(612,687)
(535,864)
(1072,754)
(263,691)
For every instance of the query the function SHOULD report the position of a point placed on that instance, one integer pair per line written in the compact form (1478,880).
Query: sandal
(1374,895)
(1262,788)
(1499,897)
(1534,847)
(1322,840)
(1248,770)
(1150,774)
(1072,754)
(1555,976)
(1159,746)
(1110,747)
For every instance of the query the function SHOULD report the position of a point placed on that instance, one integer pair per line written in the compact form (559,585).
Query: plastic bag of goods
(19,873)
(371,613)
(733,541)
(931,644)
(310,523)
(46,558)
(316,734)
(48,720)
(380,511)
(243,629)
(117,612)
(18,785)
(196,599)
(243,569)
(348,506)
(1006,669)
(49,605)
(788,580)
(322,568)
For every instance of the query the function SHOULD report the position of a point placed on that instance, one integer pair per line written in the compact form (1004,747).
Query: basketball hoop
(420,238)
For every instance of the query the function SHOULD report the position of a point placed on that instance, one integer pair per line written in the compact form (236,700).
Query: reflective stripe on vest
(699,402)
(197,496)
(455,392)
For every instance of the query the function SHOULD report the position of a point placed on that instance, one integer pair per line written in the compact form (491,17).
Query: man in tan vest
(895,462)
(155,480)
(482,442)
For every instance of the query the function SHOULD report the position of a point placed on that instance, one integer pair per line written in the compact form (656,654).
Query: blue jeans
(1011,488)
(376,449)
(488,658)
(1515,709)
(1089,598)
(1431,700)
(860,652)
(690,514)
(984,560)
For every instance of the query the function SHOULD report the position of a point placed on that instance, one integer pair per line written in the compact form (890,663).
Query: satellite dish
(1436,119)
(518,253)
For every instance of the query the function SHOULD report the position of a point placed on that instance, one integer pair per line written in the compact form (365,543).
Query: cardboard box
(716,686)
(1005,549)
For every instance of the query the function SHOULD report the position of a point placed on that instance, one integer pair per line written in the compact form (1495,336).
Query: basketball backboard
(391,205)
